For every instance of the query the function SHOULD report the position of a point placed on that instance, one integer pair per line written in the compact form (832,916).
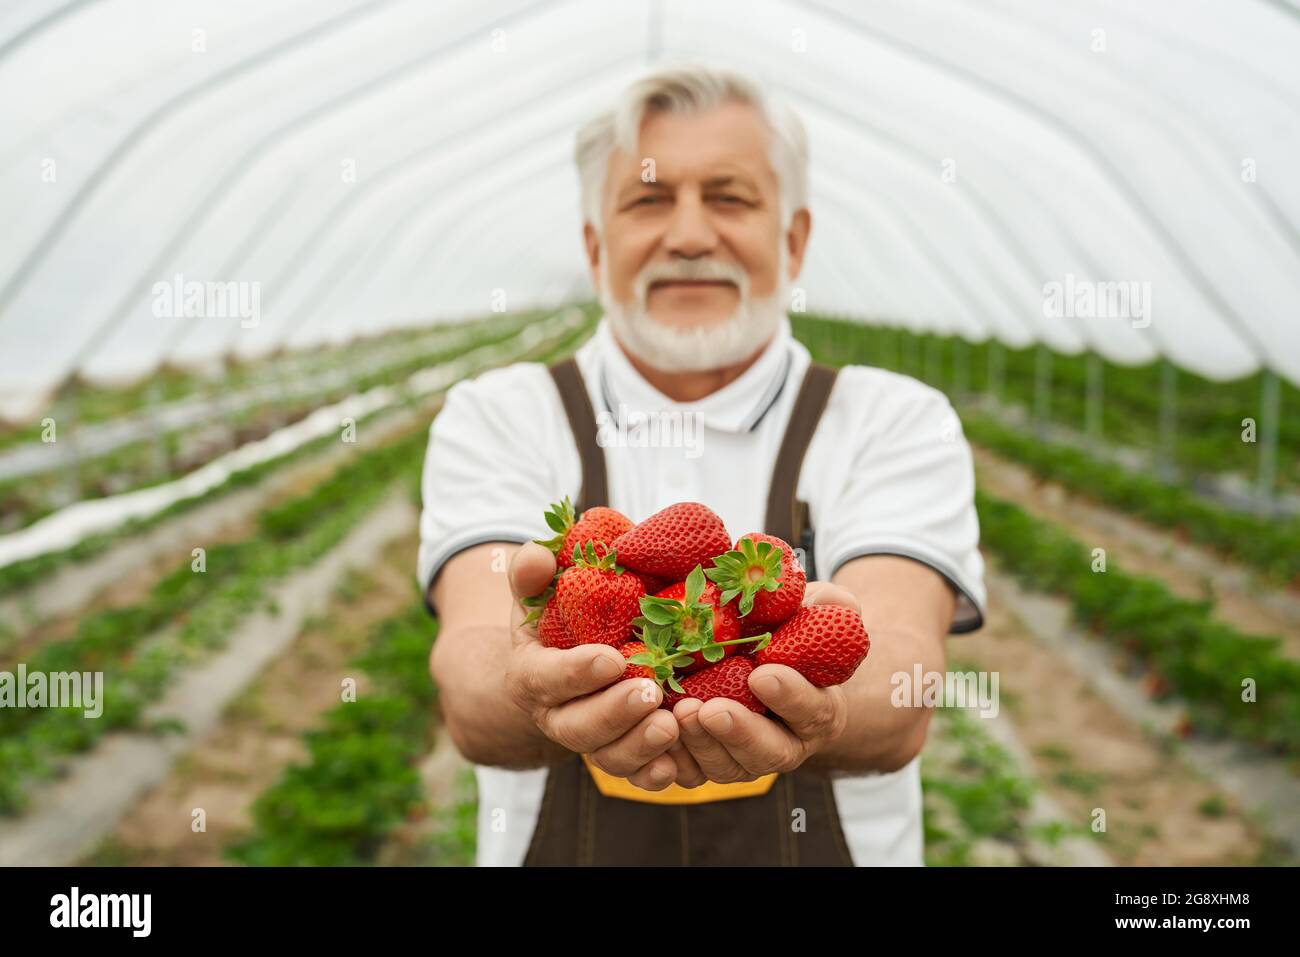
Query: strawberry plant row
(1270,545)
(361,781)
(22,574)
(1242,685)
(138,465)
(1209,414)
(208,607)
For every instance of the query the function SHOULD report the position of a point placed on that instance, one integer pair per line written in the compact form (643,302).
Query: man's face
(714,197)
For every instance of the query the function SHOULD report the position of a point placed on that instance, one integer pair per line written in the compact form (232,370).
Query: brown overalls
(795,823)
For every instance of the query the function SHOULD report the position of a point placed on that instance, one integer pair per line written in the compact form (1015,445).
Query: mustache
(691,270)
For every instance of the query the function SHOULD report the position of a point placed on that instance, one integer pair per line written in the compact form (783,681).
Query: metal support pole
(65,432)
(1167,462)
(1042,387)
(997,363)
(1270,411)
(153,406)
(1093,402)
(960,367)
(932,360)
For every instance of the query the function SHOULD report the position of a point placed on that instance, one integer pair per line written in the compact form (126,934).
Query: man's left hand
(722,740)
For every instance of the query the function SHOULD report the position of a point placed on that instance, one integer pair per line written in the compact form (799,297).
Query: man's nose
(690,234)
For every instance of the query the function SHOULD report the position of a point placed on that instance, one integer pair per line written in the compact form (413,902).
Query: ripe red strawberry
(628,649)
(552,630)
(671,542)
(599,524)
(723,620)
(764,572)
(727,679)
(598,598)
(824,643)
(686,627)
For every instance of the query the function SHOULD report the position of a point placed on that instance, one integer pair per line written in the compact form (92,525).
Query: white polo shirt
(887,472)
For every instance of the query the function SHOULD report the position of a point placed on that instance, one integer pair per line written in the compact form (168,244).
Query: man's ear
(796,240)
(591,241)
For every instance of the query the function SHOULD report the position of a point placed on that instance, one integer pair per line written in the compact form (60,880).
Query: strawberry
(599,524)
(763,571)
(671,542)
(706,611)
(628,649)
(552,630)
(598,598)
(727,679)
(686,627)
(824,643)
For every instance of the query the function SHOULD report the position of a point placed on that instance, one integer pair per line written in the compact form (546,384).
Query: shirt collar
(737,407)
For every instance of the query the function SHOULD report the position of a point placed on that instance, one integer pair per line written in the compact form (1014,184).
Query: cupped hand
(723,741)
(575,698)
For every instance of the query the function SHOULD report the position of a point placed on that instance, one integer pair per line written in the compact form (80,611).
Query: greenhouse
(268,277)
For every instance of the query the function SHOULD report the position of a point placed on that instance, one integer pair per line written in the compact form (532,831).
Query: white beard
(699,348)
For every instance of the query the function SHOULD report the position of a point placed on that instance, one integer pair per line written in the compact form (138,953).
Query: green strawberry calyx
(585,556)
(674,630)
(560,518)
(537,603)
(746,570)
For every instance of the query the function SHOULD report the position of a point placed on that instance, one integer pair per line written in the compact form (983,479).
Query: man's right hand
(569,696)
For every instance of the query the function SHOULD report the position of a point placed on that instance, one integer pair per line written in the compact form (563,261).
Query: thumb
(825,593)
(531,570)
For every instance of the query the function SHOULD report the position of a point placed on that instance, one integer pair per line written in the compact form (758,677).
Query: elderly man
(694,191)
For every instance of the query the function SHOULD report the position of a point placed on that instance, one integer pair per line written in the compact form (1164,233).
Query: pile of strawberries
(688,608)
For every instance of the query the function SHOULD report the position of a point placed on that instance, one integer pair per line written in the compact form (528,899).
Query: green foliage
(1203,659)
(1270,545)
(361,781)
(983,790)
(205,609)
(23,574)
(1209,414)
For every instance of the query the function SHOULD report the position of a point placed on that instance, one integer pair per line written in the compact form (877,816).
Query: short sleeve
(487,476)
(909,488)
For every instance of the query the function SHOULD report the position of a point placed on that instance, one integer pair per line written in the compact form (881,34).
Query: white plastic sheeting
(374,164)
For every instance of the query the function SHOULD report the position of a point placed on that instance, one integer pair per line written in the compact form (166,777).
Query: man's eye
(647,200)
(730,200)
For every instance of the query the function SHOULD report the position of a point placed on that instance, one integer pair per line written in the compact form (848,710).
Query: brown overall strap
(787,517)
(582,422)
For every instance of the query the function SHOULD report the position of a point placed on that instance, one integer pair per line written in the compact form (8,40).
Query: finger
(811,713)
(550,677)
(756,743)
(826,593)
(588,724)
(689,774)
(656,775)
(531,570)
(654,735)
(712,757)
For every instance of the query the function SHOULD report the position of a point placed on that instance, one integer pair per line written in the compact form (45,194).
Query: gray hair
(689,89)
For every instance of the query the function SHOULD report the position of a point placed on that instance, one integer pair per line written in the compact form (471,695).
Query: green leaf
(695,585)
(658,614)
